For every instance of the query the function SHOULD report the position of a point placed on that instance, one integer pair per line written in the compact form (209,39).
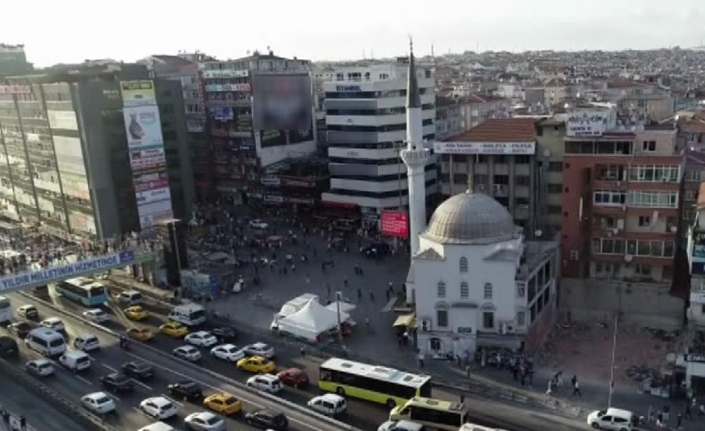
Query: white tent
(345,307)
(312,320)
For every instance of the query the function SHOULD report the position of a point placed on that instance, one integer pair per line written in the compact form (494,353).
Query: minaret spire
(413,99)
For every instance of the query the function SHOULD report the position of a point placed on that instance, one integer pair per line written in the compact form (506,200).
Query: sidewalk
(12,422)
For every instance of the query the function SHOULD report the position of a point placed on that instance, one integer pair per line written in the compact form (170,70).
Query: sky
(70,31)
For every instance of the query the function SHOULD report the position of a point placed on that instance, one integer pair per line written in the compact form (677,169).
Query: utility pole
(614,350)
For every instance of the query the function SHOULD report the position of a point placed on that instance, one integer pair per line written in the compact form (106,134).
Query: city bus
(5,311)
(435,414)
(84,290)
(372,382)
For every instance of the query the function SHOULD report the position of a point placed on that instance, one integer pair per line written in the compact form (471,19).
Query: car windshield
(167,406)
(56,343)
(102,400)
(43,366)
(213,420)
(97,290)
(230,400)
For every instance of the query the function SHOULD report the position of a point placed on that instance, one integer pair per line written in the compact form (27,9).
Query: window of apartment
(607,246)
(609,197)
(694,175)
(689,195)
(555,166)
(688,214)
(441,289)
(654,173)
(652,199)
(501,159)
(648,248)
(642,269)
(553,209)
(488,290)
(501,180)
(521,318)
(522,159)
(521,291)
(478,179)
(463,264)
(521,202)
(648,146)
(460,178)
(464,290)
(644,221)
(555,188)
(522,180)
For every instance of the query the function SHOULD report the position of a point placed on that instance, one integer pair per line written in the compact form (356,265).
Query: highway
(362,415)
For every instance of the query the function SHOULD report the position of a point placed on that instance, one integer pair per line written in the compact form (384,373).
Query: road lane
(168,370)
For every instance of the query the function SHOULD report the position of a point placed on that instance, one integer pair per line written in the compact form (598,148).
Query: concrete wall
(640,304)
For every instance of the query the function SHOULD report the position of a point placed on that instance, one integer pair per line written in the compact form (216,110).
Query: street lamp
(338,298)
(614,350)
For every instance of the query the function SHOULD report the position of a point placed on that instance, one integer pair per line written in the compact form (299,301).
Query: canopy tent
(312,320)
(345,307)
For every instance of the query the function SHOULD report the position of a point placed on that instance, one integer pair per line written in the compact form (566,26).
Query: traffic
(364,396)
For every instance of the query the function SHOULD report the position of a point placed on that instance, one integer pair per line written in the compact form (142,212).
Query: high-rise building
(366,124)
(13,60)
(259,116)
(93,151)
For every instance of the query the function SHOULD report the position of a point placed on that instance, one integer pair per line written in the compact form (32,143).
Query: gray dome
(469,218)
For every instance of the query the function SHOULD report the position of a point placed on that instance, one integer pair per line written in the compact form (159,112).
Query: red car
(293,377)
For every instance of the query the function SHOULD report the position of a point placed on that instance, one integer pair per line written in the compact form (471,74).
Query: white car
(328,404)
(28,312)
(86,342)
(401,426)
(98,402)
(96,315)
(204,421)
(158,407)
(201,339)
(189,353)
(228,352)
(53,323)
(40,367)
(265,382)
(258,224)
(611,419)
(260,349)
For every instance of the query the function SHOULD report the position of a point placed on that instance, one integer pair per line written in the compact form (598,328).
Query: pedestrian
(388,295)
(650,414)
(549,390)
(462,398)
(23,423)
(420,359)
(576,389)
(345,282)
(359,294)
(467,371)
(308,279)
(666,413)
(688,413)
(303,351)
(679,420)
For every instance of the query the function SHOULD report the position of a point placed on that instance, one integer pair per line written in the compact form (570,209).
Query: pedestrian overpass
(72,268)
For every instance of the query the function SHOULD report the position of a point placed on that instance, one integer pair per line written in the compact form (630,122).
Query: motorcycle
(125,345)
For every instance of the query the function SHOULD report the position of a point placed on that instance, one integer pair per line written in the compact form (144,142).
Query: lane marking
(137,382)
(173,400)
(109,367)
(84,380)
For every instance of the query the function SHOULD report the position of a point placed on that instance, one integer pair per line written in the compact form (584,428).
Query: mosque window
(464,290)
(442,315)
(441,289)
(488,290)
(463,264)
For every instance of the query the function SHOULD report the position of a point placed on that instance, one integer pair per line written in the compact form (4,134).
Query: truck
(291,307)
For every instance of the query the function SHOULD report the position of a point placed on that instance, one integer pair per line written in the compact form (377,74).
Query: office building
(366,124)
(13,60)
(250,135)
(93,151)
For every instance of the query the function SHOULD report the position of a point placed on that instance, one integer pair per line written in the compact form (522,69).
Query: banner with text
(137,93)
(144,130)
(142,160)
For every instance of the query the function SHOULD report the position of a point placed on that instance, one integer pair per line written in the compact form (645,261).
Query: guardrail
(76,412)
(285,403)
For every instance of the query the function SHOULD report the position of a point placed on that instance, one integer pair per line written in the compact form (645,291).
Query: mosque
(474,281)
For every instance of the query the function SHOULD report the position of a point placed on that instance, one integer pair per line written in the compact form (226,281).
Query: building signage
(228,87)
(151,181)
(65,120)
(464,330)
(347,88)
(138,93)
(270,181)
(298,183)
(15,89)
(395,223)
(144,129)
(58,273)
(142,160)
(694,358)
(151,213)
(586,124)
(302,201)
(274,198)
(497,148)
(151,196)
(226,73)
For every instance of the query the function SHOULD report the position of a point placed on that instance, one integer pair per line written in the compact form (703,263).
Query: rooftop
(535,252)
(500,130)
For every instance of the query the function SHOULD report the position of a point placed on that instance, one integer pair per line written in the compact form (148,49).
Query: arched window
(464,290)
(488,290)
(441,289)
(442,315)
(463,264)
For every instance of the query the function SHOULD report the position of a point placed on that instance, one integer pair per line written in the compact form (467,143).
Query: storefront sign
(228,87)
(464,330)
(225,73)
(147,159)
(270,181)
(151,196)
(695,358)
(298,183)
(347,88)
(524,148)
(15,89)
(395,223)
(274,198)
(302,201)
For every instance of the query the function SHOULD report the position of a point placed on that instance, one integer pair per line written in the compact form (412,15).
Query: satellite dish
(628,257)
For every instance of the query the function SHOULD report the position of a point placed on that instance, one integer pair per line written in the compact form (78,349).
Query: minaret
(415,157)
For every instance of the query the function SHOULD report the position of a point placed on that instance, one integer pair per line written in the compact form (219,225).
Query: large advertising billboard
(151,181)
(282,102)
(144,129)
(497,148)
(149,159)
(152,213)
(152,196)
(137,93)
(395,223)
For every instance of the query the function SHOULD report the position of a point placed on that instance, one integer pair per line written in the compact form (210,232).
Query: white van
(130,298)
(46,341)
(188,314)
(474,427)
(86,342)
(328,404)
(612,419)
(75,360)
(158,426)
(403,426)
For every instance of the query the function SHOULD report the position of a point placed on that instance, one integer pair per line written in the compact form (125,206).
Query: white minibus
(46,341)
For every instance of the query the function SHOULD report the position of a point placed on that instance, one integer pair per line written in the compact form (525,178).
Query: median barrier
(285,403)
(73,410)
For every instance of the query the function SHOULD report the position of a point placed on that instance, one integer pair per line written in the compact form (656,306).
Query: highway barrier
(284,403)
(73,410)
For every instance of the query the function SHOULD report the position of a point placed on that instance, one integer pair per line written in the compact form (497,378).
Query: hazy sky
(73,30)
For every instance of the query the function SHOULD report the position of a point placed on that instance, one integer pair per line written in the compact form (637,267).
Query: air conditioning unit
(425,325)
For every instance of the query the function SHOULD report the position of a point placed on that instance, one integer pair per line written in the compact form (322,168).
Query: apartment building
(550,149)
(497,157)
(696,260)
(13,60)
(366,124)
(248,133)
(93,152)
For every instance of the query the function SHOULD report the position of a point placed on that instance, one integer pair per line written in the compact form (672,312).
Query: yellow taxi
(141,334)
(136,312)
(174,329)
(223,403)
(256,364)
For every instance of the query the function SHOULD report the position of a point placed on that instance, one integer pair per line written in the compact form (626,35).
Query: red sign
(15,89)
(395,223)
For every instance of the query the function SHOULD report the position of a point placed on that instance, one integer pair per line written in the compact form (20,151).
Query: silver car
(204,421)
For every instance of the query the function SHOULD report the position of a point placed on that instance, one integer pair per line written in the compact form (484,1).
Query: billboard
(152,213)
(57,273)
(395,223)
(143,127)
(151,181)
(142,160)
(151,196)
(65,120)
(698,258)
(587,123)
(137,93)
(282,102)
(508,148)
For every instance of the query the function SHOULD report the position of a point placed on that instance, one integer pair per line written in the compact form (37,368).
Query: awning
(408,320)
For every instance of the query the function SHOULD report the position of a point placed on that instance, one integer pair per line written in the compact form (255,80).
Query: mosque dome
(470,218)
